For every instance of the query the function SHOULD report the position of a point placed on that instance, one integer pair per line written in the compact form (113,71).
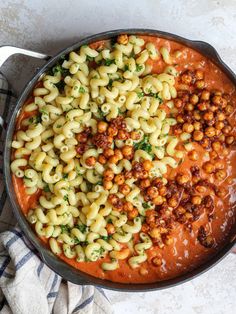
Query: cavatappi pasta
(100,144)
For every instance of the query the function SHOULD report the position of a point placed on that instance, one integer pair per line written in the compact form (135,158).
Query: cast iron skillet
(64,270)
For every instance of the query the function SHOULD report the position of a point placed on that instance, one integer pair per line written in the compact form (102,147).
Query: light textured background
(50,25)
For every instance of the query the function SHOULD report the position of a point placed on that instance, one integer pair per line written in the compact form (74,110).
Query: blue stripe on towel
(4,265)
(52,295)
(24,260)
(39,269)
(85,303)
(103,293)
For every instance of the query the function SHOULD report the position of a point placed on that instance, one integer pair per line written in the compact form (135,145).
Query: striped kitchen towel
(27,285)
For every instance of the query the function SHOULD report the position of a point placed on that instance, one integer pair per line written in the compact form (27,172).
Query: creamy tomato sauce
(185,253)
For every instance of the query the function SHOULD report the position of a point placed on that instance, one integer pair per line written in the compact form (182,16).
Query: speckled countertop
(50,25)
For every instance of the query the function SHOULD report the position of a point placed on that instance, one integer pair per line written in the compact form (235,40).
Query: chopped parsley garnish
(58,126)
(60,85)
(126,67)
(101,113)
(109,221)
(140,94)
(155,95)
(139,67)
(105,238)
(81,90)
(43,111)
(146,205)
(109,61)
(88,58)
(65,198)
(110,83)
(58,68)
(35,119)
(65,228)
(76,241)
(65,176)
(82,228)
(46,188)
(100,251)
(144,145)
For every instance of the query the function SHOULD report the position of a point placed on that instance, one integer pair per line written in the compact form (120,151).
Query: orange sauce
(186,252)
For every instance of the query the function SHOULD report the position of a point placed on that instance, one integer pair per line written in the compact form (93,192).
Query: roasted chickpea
(213,155)
(229,110)
(147,165)
(219,125)
(180,209)
(221,192)
(108,175)
(203,106)
(200,188)
(220,116)
(208,116)
(222,138)
(210,131)
(135,135)
(123,39)
(220,175)
(216,146)
(118,154)
(229,140)
(102,126)
(178,103)
(124,189)
(128,174)
(119,179)
(197,135)
(112,131)
(102,159)
(113,160)
(193,155)
(199,75)
(159,200)
(110,228)
(107,185)
(197,126)
(219,164)
(113,199)
(182,178)
(108,152)
(189,107)
(143,271)
(194,99)
(132,214)
(205,95)
(169,240)
(157,261)
(128,206)
(227,129)
(173,201)
(186,78)
(145,228)
(180,118)
(90,161)
(152,192)
(219,101)
(196,115)
(145,183)
(155,233)
(188,127)
(127,151)
(200,84)
(162,190)
(196,200)
(208,167)
(122,135)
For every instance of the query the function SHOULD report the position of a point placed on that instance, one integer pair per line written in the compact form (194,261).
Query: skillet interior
(64,270)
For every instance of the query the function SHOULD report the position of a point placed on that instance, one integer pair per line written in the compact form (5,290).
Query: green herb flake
(46,188)
(88,58)
(145,205)
(82,228)
(144,145)
(108,62)
(140,94)
(126,67)
(109,221)
(139,67)
(81,90)
(65,198)
(65,228)
(65,176)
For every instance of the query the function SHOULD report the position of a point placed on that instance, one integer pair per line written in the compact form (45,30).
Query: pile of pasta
(87,87)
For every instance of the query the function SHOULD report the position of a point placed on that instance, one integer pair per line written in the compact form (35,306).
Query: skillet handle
(8,51)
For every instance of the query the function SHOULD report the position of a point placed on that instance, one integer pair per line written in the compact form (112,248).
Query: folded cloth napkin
(27,285)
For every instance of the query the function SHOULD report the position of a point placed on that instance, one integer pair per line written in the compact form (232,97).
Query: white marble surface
(50,25)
